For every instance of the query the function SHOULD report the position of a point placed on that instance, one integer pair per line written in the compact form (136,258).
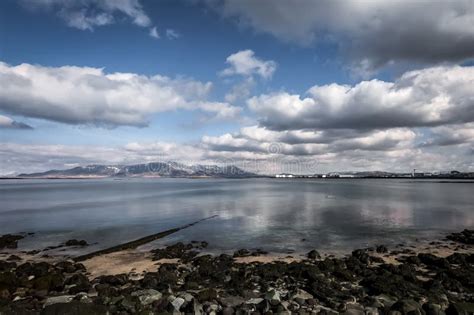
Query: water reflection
(267,213)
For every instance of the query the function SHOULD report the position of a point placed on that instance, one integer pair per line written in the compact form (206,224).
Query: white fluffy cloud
(429,97)
(83,95)
(372,33)
(246,63)
(88,14)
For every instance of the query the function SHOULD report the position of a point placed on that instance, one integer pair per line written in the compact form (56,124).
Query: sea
(276,215)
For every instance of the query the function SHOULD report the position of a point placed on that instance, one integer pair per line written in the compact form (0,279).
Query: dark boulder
(69,266)
(6,265)
(8,280)
(433,309)
(114,280)
(313,254)
(460,309)
(206,295)
(361,255)
(179,250)
(79,283)
(10,241)
(242,253)
(465,237)
(33,269)
(407,307)
(433,261)
(75,242)
(49,282)
(74,308)
(457,258)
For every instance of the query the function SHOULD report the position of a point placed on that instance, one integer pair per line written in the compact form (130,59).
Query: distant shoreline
(433,179)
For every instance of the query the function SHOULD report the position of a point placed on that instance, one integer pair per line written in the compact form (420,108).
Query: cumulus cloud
(372,33)
(84,95)
(264,141)
(429,97)
(88,14)
(246,63)
(450,135)
(241,90)
(8,123)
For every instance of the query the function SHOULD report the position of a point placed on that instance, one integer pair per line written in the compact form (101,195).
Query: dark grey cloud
(372,33)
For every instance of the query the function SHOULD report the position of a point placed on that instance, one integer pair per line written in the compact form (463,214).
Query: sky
(311,86)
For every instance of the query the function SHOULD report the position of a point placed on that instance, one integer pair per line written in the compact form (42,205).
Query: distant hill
(157,169)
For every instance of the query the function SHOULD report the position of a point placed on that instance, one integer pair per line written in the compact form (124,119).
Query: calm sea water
(273,214)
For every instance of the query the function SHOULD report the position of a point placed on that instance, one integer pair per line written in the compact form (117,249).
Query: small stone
(147,296)
(228,311)
(187,297)
(58,299)
(177,303)
(128,304)
(273,297)
(232,301)
(371,311)
(254,301)
(354,309)
(302,294)
(4,294)
(385,300)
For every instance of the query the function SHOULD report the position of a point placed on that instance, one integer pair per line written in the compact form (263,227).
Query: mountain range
(156,169)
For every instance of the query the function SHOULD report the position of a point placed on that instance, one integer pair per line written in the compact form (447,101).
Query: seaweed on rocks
(220,284)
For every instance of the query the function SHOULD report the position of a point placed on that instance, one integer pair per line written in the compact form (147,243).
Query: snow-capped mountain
(158,169)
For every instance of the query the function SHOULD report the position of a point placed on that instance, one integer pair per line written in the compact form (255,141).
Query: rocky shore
(182,278)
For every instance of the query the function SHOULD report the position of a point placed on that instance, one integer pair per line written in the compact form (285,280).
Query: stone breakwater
(404,280)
